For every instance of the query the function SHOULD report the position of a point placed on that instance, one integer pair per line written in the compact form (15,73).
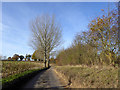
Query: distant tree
(34,57)
(9,58)
(21,57)
(37,55)
(28,57)
(15,57)
(25,57)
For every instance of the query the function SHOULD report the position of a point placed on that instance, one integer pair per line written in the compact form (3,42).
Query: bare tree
(46,34)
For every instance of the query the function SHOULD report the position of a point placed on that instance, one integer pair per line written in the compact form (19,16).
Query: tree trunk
(48,63)
(45,63)
(48,60)
(45,57)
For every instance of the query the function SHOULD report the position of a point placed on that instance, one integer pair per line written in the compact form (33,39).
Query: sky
(74,18)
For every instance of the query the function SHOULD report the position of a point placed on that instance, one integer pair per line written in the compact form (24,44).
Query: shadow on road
(22,81)
(42,79)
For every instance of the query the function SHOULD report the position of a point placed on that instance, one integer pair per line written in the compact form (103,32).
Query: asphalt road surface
(45,79)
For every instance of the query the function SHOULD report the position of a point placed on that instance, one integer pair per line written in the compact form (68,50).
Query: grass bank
(88,77)
(16,67)
(16,76)
(15,71)
(19,80)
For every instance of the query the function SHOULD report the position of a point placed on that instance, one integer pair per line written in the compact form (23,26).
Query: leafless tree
(46,33)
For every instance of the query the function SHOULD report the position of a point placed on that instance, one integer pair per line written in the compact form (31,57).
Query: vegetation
(34,56)
(9,58)
(46,35)
(10,68)
(82,76)
(28,57)
(97,46)
(21,57)
(15,76)
(90,62)
(15,57)
(37,55)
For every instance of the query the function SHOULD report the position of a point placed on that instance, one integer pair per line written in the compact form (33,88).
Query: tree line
(15,57)
(96,46)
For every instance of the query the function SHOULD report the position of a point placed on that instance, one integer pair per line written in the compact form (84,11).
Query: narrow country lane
(45,79)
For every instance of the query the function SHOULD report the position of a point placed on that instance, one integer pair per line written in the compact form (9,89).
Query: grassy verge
(89,77)
(16,71)
(15,67)
(16,76)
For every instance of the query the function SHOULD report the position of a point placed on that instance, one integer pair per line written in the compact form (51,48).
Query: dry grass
(14,67)
(89,77)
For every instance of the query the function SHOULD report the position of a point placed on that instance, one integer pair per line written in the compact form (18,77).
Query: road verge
(21,79)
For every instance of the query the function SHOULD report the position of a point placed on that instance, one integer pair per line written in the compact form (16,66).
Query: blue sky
(73,17)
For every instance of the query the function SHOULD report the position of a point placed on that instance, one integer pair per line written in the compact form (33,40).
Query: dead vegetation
(84,77)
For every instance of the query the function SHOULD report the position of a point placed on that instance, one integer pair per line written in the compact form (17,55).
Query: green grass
(15,76)
(14,69)
(90,77)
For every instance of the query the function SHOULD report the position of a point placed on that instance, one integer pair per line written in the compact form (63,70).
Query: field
(88,77)
(14,69)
